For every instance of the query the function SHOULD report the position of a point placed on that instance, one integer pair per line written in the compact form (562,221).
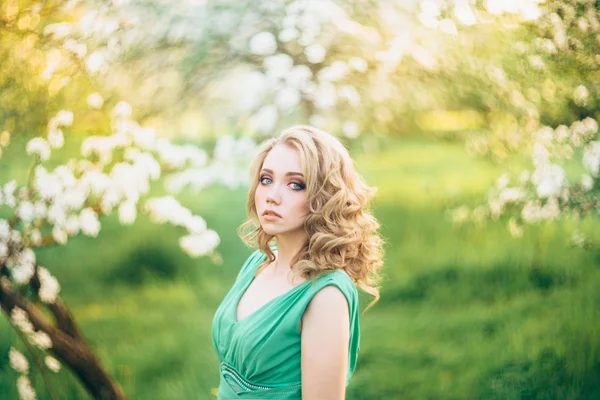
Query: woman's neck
(287,248)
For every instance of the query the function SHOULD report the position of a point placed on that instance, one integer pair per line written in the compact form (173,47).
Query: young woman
(289,326)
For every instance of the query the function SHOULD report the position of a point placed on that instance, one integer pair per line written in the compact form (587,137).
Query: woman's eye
(263,178)
(297,186)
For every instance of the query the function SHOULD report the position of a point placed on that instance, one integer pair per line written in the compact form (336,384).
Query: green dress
(260,354)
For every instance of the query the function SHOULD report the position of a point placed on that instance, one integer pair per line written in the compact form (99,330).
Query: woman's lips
(270,215)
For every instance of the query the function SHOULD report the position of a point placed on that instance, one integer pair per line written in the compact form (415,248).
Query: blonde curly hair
(342,233)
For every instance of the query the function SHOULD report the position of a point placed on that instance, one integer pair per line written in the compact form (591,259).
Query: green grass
(465,312)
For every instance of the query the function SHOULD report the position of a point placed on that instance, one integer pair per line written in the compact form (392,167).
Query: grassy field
(465,312)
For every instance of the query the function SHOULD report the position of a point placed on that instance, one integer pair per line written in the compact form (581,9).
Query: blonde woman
(289,326)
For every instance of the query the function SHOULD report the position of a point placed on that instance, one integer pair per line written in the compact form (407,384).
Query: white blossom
(20,319)
(536,62)
(464,13)
(350,129)
(179,156)
(58,30)
(22,273)
(591,157)
(531,212)
(122,110)
(35,236)
(63,118)
(167,209)
(26,211)
(89,223)
(56,138)
(49,286)
(18,362)
(127,212)
(502,181)
(326,96)
(39,147)
(95,100)
(59,235)
(299,76)
(540,155)
(581,95)
(550,210)
(72,225)
(587,182)
(95,182)
(315,53)
(549,180)
(57,214)
(561,133)
(511,195)
(16,237)
(199,244)
(110,198)
(287,98)
(335,72)
(287,35)
(74,198)
(39,209)
(146,166)
(583,131)
(544,135)
(47,185)
(79,49)
(358,64)
(4,230)
(24,266)
(3,250)
(278,66)
(9,193)
(95,62)
(145,138)
(52,363)
(195,224)
(265,119)
(65,174)
(26,391)
(318,121)
(41,340)
(350,93)
(263,44)
(448,26)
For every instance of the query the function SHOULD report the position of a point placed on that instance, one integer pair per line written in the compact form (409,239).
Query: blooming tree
(112,173)
(552,116)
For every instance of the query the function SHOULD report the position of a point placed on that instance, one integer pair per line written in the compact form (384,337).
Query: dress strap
(252,261)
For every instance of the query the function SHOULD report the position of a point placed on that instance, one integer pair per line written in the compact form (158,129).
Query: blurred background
(476,119)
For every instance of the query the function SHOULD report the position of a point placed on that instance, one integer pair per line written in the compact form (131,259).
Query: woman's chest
(262,290)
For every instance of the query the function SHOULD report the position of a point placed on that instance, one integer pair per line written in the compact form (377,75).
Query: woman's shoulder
(340,279)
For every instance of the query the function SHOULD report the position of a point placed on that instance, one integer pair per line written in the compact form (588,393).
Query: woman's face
(281,189)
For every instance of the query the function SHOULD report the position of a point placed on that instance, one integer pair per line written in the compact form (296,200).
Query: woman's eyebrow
(286,174)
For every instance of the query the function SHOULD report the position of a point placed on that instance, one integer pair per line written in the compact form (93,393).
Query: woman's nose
(273,195)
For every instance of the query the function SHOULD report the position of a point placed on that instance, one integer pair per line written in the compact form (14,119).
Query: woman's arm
(325,337)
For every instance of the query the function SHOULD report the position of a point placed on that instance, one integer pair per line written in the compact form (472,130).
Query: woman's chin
(270,231)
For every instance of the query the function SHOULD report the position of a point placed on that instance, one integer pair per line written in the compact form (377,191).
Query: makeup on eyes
(300,184)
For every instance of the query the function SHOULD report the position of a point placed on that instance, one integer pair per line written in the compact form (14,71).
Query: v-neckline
(245,288)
